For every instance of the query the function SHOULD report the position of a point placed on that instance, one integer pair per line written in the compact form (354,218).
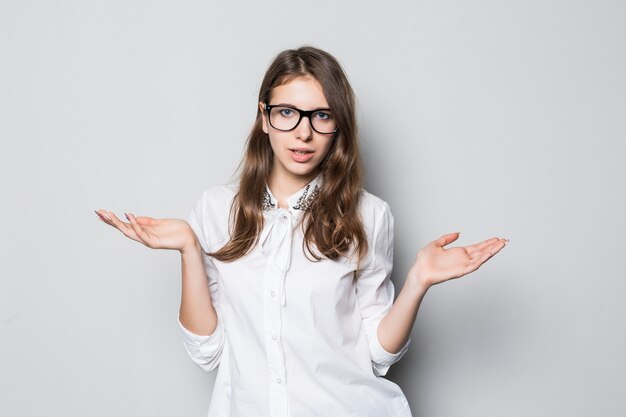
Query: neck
(283,185)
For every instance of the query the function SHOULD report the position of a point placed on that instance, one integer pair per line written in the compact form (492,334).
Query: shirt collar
(301,200)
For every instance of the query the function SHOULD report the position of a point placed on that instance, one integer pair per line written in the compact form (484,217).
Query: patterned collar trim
(307,196)
(306,199)
(267,203)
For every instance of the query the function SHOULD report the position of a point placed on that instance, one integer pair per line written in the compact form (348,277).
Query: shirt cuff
(204,340)
(383,357)
(382,360)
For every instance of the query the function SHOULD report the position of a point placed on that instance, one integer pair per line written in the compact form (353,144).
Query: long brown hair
(338,228)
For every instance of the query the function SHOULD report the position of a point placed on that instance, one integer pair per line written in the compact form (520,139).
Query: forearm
(197,313)
(395,328)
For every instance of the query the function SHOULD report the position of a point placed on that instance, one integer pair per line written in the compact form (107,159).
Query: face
(299,152)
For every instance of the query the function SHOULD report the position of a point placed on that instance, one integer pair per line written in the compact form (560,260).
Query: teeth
(302,152)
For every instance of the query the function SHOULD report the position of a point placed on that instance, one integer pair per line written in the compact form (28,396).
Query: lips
(301,154)
(301,151)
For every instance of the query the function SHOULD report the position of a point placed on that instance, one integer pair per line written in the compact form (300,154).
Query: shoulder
(378,225)
(212,210)
(216,199)
(219,194)
(372,206)
(375,212)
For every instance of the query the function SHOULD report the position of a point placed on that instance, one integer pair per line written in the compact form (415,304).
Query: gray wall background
(493,118)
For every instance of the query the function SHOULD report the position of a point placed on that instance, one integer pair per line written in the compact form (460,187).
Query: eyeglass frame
(303,113)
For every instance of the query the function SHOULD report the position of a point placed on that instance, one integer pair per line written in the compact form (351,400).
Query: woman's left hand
(435,264)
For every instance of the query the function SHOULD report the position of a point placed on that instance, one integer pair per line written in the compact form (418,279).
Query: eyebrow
(291,105)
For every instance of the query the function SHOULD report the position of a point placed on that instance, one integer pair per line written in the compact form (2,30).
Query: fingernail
(127,218)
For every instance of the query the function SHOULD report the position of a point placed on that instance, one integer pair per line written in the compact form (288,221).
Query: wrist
(416,282)
(192,246)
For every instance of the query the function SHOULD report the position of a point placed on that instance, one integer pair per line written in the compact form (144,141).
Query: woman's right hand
(154,233)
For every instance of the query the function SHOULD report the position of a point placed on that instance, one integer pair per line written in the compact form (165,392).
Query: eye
(323,115)
(286,112)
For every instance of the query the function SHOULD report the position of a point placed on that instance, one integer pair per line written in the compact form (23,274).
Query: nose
(303,129)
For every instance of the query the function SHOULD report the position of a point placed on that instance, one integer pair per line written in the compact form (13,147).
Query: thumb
(447,239)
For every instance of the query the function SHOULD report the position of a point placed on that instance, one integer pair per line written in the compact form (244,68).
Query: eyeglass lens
(286,118)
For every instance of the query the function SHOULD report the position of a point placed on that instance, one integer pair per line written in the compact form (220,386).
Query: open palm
(435,264)
(152,232)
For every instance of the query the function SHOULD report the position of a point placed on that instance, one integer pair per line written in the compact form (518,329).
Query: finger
(480,257)
(125,228)
(492,244)
(477,262)
(496,247)
(142,234)
(481,245)
(103,216)
(446,239)
(143,220)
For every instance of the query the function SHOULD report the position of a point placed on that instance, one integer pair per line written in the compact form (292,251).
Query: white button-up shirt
(296,338)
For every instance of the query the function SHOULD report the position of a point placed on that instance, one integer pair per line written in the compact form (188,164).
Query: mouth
(301,155)
(300,151)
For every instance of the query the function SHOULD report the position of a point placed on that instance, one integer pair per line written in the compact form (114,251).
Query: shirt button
(273,337)
(272,293)
(278,380)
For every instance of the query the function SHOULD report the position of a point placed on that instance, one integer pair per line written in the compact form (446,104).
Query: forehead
(301,92)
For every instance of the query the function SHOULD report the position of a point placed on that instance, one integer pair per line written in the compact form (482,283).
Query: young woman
(299,309)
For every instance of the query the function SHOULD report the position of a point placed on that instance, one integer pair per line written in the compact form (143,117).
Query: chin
(302,170)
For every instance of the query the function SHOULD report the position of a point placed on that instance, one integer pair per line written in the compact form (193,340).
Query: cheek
(273,144)
(275,141)
(327,147)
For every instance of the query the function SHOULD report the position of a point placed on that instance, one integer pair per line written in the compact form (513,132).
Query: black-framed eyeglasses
(286,118)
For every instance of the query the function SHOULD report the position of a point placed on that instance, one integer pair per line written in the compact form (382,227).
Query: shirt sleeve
(205,350)
(375,290)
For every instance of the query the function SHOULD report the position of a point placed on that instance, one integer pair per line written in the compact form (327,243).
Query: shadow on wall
(464,336)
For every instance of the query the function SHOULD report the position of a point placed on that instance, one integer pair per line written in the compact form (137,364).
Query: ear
(263,118)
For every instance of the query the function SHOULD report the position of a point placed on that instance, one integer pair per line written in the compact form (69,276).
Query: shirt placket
(273,289)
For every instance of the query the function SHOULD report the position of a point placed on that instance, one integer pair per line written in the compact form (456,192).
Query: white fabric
(296,338)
